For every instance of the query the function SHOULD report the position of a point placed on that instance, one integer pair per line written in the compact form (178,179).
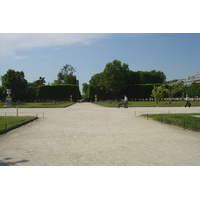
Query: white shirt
(125,98)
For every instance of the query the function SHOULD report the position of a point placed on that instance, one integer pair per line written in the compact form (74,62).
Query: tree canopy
(40,81)
(65,76)
(117,78)
(16,81)
(114,77)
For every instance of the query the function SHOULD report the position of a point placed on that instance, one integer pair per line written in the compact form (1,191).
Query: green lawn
(148,103)
(187,121)
(8,122)
(40,105)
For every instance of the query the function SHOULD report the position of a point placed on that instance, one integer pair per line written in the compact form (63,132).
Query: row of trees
(23,90)
(117,79)
(176,90)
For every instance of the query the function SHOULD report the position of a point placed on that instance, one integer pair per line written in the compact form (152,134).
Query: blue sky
(176,54)
(147,35)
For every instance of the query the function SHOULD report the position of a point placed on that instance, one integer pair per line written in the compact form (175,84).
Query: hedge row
(47,92)
(58,92)
(137,91)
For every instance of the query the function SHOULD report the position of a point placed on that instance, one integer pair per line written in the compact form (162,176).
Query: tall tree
(95,79)
(158,93)
(40,81)
(65,75)
(15,81)
(152,77)
(114,77)
(193,90)
(172,90)
(84,88)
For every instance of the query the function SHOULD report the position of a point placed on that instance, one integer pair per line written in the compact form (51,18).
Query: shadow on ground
(9,162)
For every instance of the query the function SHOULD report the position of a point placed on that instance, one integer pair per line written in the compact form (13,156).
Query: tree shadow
(8,162)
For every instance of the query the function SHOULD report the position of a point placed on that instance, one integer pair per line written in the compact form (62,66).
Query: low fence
(185,124)
(18,112)
(10,126)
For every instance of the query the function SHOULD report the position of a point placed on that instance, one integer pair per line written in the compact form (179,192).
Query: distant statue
(8,98)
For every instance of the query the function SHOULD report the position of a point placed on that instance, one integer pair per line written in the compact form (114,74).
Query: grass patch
(40,105)
(186,121)
(148,103)
(7,123)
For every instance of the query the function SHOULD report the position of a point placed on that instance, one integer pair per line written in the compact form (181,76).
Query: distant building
(188,81)
(192,79)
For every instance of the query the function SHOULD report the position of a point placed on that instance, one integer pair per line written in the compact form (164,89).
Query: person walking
(125,101)
(187,102)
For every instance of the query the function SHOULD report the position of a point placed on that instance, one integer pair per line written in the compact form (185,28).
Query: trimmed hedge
(58,92)
(140,91)
(96,90)
(137,91)
(2,96)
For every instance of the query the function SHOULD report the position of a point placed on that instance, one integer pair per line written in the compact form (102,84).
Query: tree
(95,79)
(171,90)
(65,76)
(115,77)
(15,81)
(194,90)
(134,78)
(71,79)
(1,93)
(152,77)
(84,88)
(40,81)
(158,93)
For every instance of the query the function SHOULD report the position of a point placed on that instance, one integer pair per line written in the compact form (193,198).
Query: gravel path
(86,134)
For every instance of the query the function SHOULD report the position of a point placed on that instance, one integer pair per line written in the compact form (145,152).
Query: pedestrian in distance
(125,101)
(187,102)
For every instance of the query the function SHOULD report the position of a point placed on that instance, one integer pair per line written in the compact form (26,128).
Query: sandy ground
(90,135)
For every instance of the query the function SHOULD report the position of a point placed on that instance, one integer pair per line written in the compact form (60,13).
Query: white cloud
(20,57)
(12,42)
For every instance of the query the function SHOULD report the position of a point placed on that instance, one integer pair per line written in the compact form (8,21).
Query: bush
(58,92)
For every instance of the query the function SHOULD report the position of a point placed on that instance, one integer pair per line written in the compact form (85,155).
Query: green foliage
(193,90)
(147,103)
(139,91)
(153,77)
(56,92)
(65,76)
(158,93)
(16,81)
(117,80)
(84,88)
(53,104)
(187,121)
(144,77)
(2,96)
(40,81)
(96,79)
(172,90)
(97,90)
(8,122)
(115,77)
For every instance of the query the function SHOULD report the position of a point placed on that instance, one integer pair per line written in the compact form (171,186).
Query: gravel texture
(86,134)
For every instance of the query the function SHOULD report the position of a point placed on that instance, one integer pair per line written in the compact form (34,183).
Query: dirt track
(90,135)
